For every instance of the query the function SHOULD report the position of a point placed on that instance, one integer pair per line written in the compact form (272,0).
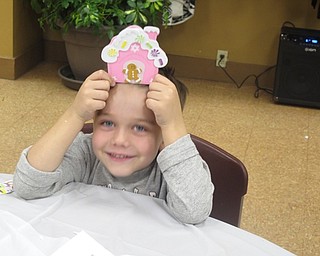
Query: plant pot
(83,47)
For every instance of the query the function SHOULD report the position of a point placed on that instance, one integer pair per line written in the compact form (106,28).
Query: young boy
(139,144)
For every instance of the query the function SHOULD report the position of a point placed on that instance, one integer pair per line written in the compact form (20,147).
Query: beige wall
(20,37)
(248,29)
(6,28)
(27,32)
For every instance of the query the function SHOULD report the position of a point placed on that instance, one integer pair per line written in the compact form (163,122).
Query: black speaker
(297,79)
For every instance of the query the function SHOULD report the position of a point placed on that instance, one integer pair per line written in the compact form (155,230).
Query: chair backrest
(229,176)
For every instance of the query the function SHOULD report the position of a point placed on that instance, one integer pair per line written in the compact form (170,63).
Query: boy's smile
(126,137)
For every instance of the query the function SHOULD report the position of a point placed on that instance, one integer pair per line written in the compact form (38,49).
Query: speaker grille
(298,68)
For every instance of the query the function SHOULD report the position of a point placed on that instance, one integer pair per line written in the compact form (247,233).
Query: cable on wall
(256,77)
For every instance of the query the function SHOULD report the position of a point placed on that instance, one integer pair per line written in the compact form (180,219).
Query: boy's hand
(48,152)
(92,95)
(163,100)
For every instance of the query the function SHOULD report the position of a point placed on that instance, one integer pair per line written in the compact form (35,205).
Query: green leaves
(100,13)
(65,3)
(135,15)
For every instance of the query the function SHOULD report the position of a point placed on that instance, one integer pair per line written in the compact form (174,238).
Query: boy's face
(126,137)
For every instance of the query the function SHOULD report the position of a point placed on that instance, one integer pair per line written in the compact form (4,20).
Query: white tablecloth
(122,222)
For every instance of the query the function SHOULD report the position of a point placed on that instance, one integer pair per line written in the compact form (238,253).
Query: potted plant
(92,23)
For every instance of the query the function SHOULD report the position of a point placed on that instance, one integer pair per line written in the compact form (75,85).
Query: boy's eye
(139,128)
(108,123)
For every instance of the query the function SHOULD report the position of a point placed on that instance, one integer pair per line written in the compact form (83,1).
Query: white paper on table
(82,245)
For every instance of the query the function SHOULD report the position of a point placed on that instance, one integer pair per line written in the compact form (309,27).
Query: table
(122,222)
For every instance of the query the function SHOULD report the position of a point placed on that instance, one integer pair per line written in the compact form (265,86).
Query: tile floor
(279,145)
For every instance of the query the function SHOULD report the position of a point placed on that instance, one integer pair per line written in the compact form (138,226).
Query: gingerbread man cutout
(132,72)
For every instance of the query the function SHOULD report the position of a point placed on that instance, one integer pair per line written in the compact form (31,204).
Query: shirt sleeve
(190,190)
(30,183)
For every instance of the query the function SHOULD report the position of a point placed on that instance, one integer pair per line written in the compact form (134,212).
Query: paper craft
(82,245)
(6,187)
(134,55)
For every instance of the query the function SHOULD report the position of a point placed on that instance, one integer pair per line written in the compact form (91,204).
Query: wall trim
(12,68)
(199,68)
(7,68)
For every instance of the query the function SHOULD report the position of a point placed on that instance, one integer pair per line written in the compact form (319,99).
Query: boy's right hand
(48,152)
(92,95)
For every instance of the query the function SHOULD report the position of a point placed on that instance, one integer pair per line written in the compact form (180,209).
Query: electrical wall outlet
(223,62)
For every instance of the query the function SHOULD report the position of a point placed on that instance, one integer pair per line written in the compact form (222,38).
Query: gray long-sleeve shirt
(178,175)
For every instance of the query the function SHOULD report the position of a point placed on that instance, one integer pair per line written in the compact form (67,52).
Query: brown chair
(228,175)
(230,178)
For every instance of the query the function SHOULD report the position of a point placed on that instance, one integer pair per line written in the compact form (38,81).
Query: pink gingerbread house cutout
(134,55)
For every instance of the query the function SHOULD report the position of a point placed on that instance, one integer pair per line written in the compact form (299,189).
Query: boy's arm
(189,187)
(30,183)
(189,192)
(163,100)
(47,153)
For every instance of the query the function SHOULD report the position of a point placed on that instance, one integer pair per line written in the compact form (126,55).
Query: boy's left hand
(163,100)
